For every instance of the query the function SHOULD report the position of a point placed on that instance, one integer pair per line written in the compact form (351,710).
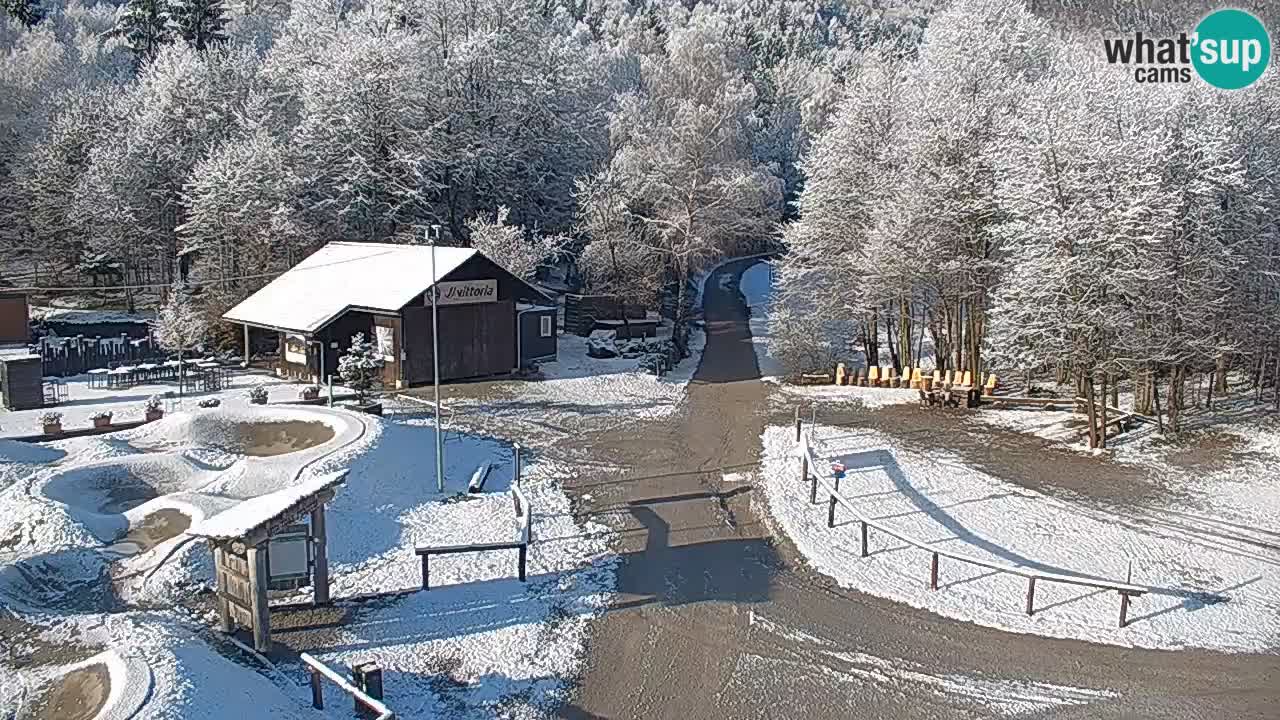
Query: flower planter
(53,428)
(257,401)
(154,415)
(101,422)
(372,408)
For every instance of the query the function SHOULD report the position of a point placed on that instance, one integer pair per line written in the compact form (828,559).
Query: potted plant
(258,395)
(309,392)
(101,419)
(52,422)
(154,408)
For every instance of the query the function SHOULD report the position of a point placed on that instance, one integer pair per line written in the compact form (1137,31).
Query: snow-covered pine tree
(147,26)
(202,23)
(361,366)
(27,12)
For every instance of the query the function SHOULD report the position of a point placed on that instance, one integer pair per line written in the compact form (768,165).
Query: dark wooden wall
(532,344)
(21,384)
(13,320)
(475,340)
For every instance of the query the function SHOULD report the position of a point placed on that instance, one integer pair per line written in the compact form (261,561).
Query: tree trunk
(890,340)
(904,333)
(1115,392)
(1091,410)
(1102,426)
(1155,396)
(1224,363)
(1143,381)
(1176,398)
(1275,382)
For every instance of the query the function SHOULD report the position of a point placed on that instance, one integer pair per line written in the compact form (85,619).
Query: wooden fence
(319,671)
(62,356)
(831,488)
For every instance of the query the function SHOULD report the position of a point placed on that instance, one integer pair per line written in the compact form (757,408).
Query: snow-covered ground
(1210,587)
(578,384)
(480,642)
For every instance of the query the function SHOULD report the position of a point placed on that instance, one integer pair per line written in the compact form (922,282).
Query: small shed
(384,291)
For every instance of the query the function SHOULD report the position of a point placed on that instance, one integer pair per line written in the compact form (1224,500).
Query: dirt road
(718,618)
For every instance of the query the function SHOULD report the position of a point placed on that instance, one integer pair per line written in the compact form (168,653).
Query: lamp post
(433,236)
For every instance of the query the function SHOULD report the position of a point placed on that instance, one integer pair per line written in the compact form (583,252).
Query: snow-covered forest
(969,173)
(1016,203)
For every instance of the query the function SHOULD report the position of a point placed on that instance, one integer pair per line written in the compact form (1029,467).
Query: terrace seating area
(204,375)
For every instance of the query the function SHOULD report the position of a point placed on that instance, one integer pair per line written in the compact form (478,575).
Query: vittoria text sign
(465,292)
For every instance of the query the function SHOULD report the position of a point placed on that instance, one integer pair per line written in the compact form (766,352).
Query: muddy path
(718,617)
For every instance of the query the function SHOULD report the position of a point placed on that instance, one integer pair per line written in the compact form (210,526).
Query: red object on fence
(837,469)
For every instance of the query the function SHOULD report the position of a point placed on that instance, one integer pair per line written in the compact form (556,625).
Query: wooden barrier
(319,671)
(809,465)
(524,516)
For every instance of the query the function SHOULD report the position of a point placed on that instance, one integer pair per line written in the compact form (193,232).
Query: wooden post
(317,692)
(864,538)
(797,423)
(831,511)
(517,470)
(426,571)
(813,489)
(1124,609)
(1031,595)
(524,557)
(258,579)
(320,551)
(246,347)
(837,483)
(224,608)
(933,572)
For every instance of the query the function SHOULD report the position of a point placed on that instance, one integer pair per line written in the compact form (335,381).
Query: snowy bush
(154,403)
(101,415)
(209,403)
(51,417)
(361,366)
(258,394)
(309,392)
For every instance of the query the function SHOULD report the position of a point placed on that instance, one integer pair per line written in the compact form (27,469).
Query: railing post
(831,510)
(864,538)
(1031,595)
(524,555)
(517,475)
(797,423)
(837,477)
(426,571)
(933,572)
(1124,609)
(317,692)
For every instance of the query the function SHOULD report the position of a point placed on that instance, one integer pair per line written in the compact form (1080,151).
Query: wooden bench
(426,552)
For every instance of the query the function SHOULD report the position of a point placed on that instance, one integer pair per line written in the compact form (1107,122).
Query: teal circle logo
(1232,49)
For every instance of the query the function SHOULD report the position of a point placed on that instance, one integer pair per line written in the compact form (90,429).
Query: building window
(546,325)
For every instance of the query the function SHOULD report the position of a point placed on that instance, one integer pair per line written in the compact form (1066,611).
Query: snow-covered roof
(342,275)
(76,316)
(245,517)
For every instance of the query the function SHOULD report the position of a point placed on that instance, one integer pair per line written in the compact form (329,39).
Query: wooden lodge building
(491,322)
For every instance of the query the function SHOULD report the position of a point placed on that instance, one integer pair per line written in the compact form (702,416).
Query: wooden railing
(831,487)
(319,670)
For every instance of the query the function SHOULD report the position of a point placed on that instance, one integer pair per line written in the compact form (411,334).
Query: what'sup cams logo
(1230,49)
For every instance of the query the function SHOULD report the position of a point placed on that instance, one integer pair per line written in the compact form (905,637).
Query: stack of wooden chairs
(935,387)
